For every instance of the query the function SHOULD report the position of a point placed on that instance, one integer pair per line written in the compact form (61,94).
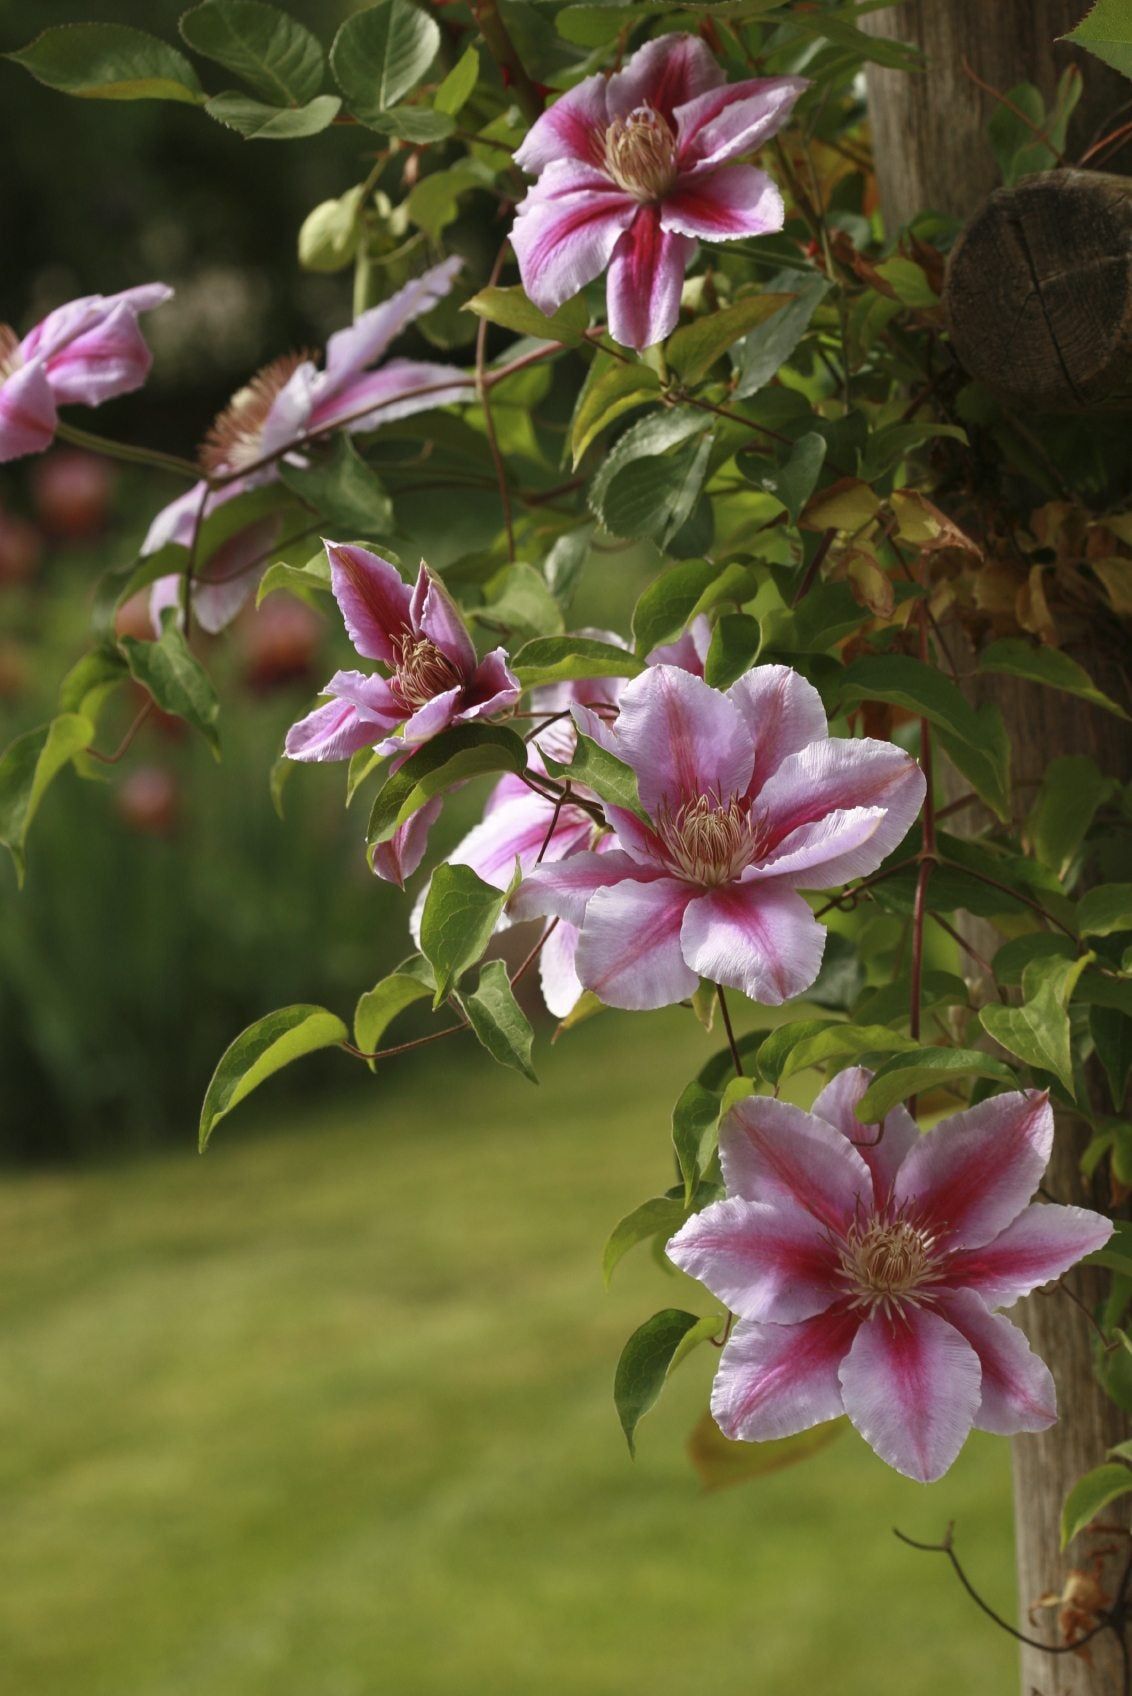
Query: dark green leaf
(1106,909)
(888,446)
(694,1120)
(459,919)
(1013,656)
(610,390)
(609,778)
(176,679)
(907,1074)
(654,494)
(465,751)
(762,353)
(645,1362)
(1072,789)
(343,490)
(272,1042)
(669,601)
(27,767)
(380,54)
(459,84)
(272,52)
(1112,1038)
(735,644)
(498,1020)
(566,659)
(1107,32)
(1091,1495)
(1038,1031)
(793,481)
(109,62)
(256,121)
(523,603)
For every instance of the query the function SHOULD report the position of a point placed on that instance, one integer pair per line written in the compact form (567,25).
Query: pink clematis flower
(633,169)
(80,355)
(747,799)
(866,1279)
(285,403)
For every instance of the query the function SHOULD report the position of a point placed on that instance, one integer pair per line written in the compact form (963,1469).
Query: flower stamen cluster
(10,356)
(421,671)
(235,438)
(885,1262)
(710,841)
(640,153)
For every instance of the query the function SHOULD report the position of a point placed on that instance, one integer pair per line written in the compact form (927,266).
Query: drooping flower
(288,401)
(866,1273)
(634,169)
(79,355)
(747,800)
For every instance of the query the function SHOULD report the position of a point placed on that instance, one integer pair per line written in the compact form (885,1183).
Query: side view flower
(634,169)
(79,355)
(747,799)
(865,1265)
(288,400)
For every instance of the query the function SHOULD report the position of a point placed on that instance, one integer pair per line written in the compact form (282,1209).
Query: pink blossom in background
(284,403)
(866,1279)
(79,355)
(634,169)
(747,800)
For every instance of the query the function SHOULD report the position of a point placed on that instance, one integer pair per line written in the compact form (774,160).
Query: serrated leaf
(662,1215)
(460,914)
(411,123)
(654,494)
(1105,909)
(109,62)
(1012,656)
(379,1006)
(694,349)
(498,1021)
(645,1363)
(27,766)
(273,53)
(511,308)
(256,121)
(259,1052)
(569,659)
(735,644)
(1072,789)
(1091,1495)
(614,389)
(465,751)
(792,481)
(1106,31)
(655,435)
(380,54)
(908,1074)
(345,492)
(719,1462)
(176,680)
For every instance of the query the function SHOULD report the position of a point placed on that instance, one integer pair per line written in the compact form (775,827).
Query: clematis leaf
(835,1046)
(735,644)
(345,492)
(459,919)
(764,350)
(566,659)
(694,349)
(1072,789)
(257,1053)
(662,1215)
(380,54)
(498,1021)
(695,1119)
(511,308)
(1012,656)
(273,53)
(929,1068)
(458,85)
(465,751)
(647,1359)
(257,121)
(27,767)
(378,1007)
(1091,1494)
(175,679)
(670,600)
(609,391)
(109,62)
(609,778)
(1105,909)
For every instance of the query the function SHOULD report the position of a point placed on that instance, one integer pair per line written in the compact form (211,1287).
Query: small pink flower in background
(633,169)
(865,1279)
(288,400)
(80,355)
(747,799)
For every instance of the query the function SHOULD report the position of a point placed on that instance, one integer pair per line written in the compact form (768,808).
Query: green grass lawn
(328,1413)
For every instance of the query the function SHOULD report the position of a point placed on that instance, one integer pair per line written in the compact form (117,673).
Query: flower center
(10,358)
(885,1260)
(235,438)
(640,153)
(709,841)
(422,671)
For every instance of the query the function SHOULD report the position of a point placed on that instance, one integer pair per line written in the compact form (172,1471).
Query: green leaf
(654,494)
(260,1051)
(458,85)
(380,54)
(1091,1495)
(257,122)
(1107,33)
(610,778)
(109,62)
(498,1020)
(379,1006)
(1037,1032)
(1013,957)
(459,919)
(735,644)
(343,490)
(719,1462)
(775,1050)
(89,681)
(511,308)
(465,751)
(669,601)
(663,1215)
(1071,791)
(693,350)
(568,659)
(272,52)
(888,446)
(614,389)
(1015,657)
(306,581)
(411,123)
(909,283)
(842,1044)
(1112,1038)
(793,481)
(27,767)
(523,602)
(328,236)
(645,1363)
(175,678)
(1106,909)
(762,353)
(907,1074)
(655,435)
(694,1121)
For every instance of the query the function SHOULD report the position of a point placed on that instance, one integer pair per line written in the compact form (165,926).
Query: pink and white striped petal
(844,773)
(972,1174)
(573,128)
(562,241)
(333,731)
(565,890)
(783,714)
(760,938)
(734,119)
(365,340)
(776,1380)
(27,413)
(912,1387)
(629,950)
(831,850)
(837,1105)
(428,721)
(558,977)
(492,689)
(110,358)
(774,1264)
(1043,1242)
(723,204)
(374,398)
(665,74)
(1018,1391)
(682,738)
(773,1152)
(373,599)
(645,278)
(433,613)
(397,859)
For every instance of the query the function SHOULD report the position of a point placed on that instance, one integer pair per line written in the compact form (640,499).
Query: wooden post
(931,149)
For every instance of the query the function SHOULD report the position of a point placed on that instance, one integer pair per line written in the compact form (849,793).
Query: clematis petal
(558,976)
(565,890)
(428,721)
(517,831)
(783,714)
(1018,1391)
(760,938)
(882,1150)
(27,413)
(333,731)
(365,340)
(734,119)
(773,1152)
(831,850)
(664,74)
(690,649)
(373,599)
(837,775)
(912,1387)
(397,859)
(53,333)
(646,275)
(233,572)
(773,1263)
(972,1174)
(720,205)
(682,738)
(776,1380)
(1042,1242)
(433,613)
(110,357)
(573,128)
(177,521)
(374,398)
(493,687)
(562,242)
(629,950)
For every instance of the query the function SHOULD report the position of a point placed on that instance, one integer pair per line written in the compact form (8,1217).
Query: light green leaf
(1071,791)
(669,601)
(498,1020)
(465,751)
(907,1074)
(259,1052)
(273,53)
(328,237)
(1037,1032)
(1107,32)
(645,1363)
(379,1006)
(306,581)
(843,1044)
(511,308)
(458,85)
(694,1121)
(176,679)
(1106,909)
(343,490)
(597,769)
(735,644)
(258,122)
(411,123)
(568,659)
(1015,657)
(694,349)
(909,283)
(523,603)
(663,1215)
(609,391)
(109,62)
(459,919)
(1091,1495)
(775,1050)
(27,767)
(89,681)
(380,54)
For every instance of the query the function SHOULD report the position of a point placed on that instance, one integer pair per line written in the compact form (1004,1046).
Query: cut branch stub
(1039,292)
